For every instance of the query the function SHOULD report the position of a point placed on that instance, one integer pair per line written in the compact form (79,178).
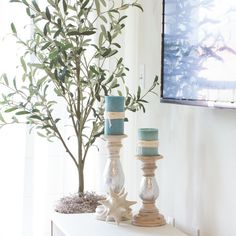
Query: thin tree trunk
(81,178)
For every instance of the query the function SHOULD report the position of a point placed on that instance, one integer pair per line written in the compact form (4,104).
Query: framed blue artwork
(199,52)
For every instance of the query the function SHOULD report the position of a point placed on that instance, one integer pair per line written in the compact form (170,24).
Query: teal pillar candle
(114,115)
(148,142)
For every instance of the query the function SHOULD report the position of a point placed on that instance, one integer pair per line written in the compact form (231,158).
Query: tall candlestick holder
(113,173)
(149,215)
(115,207)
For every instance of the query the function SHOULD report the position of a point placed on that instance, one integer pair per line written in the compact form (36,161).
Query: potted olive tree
(65,63)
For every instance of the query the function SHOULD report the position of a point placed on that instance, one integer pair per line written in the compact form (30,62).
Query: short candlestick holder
(149,215)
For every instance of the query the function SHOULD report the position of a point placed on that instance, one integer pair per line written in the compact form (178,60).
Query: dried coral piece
(115,207)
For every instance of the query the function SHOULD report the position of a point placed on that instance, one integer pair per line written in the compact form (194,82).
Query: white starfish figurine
(116,207)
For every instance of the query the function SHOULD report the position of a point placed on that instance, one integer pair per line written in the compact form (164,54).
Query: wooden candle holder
(113,173)
(115,207)
(149,215)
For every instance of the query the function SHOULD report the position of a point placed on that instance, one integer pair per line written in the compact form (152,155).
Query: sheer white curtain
(33,173)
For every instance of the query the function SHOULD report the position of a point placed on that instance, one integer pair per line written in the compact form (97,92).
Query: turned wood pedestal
(113,178)
(113,173)
(149,215)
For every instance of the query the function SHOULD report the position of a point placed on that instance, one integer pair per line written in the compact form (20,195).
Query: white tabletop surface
(87,225)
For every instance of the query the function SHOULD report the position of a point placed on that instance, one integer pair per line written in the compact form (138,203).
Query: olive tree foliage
(71,44)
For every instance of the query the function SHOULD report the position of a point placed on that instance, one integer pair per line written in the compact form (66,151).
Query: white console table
(87,225)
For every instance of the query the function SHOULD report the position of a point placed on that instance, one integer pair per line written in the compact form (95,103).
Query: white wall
(197,176)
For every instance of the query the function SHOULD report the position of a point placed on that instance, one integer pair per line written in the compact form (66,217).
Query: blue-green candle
(148,142)
(114,115)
